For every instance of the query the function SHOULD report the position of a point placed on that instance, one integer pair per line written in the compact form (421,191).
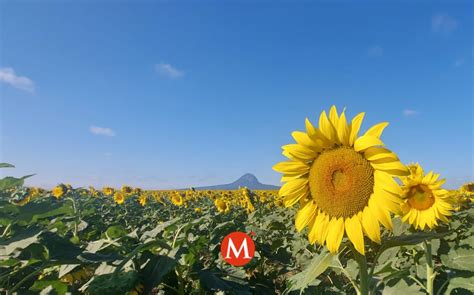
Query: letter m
(243,246)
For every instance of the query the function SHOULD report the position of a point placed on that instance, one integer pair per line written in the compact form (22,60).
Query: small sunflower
(108,191)
(142,199)
(221,206)
(126,189)
(59,191)
(177,199)
(119,197)
(343,182)
(424,201)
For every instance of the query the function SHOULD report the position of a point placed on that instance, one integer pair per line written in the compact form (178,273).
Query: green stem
(430,274)
(363,273)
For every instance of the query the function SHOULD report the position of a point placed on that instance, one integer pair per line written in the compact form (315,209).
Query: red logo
(237,248)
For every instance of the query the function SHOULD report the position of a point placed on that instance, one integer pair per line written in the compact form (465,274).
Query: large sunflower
(343,182)
(424,201)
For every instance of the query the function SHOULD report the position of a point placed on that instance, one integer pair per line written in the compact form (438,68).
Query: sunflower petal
(355,234)
(304,215)
(333,116)
(376,130)
(343,130)
(335,233)
(293,186)
(395,167)
(291,167)
(327,128)
(300,151)
(364,142)
(371,225)
(355,127)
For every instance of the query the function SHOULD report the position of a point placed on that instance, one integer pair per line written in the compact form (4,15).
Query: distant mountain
(248,180)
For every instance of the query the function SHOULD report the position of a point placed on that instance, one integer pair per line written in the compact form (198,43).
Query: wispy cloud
(443,24)
(101,131)
(375,51)
(458,62)
(410,112)
(168,70)
(8,76)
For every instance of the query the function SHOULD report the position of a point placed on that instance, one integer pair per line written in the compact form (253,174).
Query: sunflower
(59,191)
(142,199)
(177,199)
(119,197)
(343,182)
(424,201)
(126,189)
(108,191)
(221,205)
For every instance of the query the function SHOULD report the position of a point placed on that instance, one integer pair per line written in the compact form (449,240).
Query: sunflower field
(350,218)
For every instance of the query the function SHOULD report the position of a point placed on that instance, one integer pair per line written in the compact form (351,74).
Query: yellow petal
(293,198)
(343,132)
(320,228)
(355,127)
(376,130)
(395,168)
(303,139)
(300,151)
(333,117)
(377,153)
(386,182)
(371,225)
(310,129)
(327,128)
(293,186)
(382,214)
(304,215)
(286,178)
(355,234)
(335,233)
(291,167)
(364,142)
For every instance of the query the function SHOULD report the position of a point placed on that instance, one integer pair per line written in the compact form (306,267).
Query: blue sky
(171,95)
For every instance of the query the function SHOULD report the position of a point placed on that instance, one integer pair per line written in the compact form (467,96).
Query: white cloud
(101,131)
(410,113)
(375,51)
(8,76)
(459,62)
(443,24)
(168,71)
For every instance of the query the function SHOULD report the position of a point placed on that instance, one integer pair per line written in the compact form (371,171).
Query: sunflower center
(341,182)
(420,197)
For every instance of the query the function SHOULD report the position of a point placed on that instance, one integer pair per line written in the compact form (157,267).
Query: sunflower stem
(363,273)
(430,274)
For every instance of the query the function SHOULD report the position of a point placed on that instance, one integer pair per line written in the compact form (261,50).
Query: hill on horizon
(247,180)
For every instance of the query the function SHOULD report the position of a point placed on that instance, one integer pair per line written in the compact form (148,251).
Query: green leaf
(58,286)
(9,182)
(318,265)
(158,267)
(212,281)
(413,239)
(114,283)
(19,242)
(116,231)
(6,165)
(461,258)
(460,283)
(402,288)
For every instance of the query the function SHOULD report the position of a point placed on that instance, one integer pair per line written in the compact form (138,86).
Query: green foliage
(85,244)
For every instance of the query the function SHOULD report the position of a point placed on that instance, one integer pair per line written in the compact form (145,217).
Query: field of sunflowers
(350,218)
